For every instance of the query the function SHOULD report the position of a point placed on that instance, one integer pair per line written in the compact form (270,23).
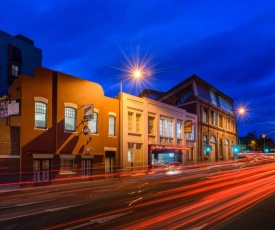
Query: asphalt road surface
(234,195)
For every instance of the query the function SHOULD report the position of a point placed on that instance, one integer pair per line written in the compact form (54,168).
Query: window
(130,152)
(204,115)
(232,125)
(138,120)
(161,127)
(112,125)
(15,70)
(66,166)
(213,98)
(166,128)
(16,54)
(179,125)
(227,124)
(151,129)
(40,116)
(213,139)
(70,119)
(130,121)
(220,121)
(213,118)
(93,123)
(225,105)
(191,136)
(170,123)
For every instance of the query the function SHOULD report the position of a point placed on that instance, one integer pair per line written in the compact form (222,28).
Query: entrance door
(109,163)
(41,170)
(86,168)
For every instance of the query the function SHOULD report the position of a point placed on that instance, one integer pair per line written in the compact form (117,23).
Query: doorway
(41,170)
(109,163)
(86,168)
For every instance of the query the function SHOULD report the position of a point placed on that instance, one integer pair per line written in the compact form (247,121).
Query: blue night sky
(229,43)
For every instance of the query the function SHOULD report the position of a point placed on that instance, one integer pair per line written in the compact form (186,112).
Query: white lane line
(99,220)
(25,204)
(35,202)
(44,211)
(65,207)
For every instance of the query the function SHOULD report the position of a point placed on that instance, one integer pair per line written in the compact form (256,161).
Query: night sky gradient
(230,44)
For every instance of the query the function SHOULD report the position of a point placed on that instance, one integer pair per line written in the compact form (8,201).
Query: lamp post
(135,75)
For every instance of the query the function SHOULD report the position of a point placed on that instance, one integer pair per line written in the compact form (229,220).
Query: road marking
(99,220)
(25,204)
(65,207)
(35,202)
(44,211)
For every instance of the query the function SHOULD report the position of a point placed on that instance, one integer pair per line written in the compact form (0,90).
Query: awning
(42,155)
(168,147)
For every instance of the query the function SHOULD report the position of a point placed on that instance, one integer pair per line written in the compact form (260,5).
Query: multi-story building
(56,126)
(216,120)
(18,55)
(154,131)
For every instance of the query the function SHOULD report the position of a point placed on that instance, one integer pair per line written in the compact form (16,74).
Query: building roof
(198,81)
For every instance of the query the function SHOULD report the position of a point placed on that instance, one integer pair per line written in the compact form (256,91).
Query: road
(203,197)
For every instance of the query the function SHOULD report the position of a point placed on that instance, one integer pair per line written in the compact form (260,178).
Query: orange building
(64,126)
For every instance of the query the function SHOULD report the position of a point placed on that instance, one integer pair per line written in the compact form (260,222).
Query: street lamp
(135,74)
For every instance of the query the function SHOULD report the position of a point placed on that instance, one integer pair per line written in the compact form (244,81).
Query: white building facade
(154,131)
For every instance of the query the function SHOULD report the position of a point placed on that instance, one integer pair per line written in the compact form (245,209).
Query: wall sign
(188,126)
(88,112)
(86,130)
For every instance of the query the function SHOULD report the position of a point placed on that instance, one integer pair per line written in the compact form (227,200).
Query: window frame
(112,125)
(93,123)
(36,113)
(68,110)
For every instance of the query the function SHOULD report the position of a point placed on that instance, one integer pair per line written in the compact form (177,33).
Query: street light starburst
(136,66)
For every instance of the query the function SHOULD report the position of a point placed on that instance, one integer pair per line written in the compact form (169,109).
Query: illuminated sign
(188,126)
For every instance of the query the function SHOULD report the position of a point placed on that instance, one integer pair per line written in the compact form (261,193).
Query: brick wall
(9,140)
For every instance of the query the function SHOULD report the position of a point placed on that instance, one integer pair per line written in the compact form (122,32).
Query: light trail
(213,196)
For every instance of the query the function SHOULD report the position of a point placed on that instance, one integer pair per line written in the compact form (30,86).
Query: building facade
(18,56)
(216,122)
(55,126)
(152,131)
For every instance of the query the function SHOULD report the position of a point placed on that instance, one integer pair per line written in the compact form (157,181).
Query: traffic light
(266,150)
(236,149)
(208,149)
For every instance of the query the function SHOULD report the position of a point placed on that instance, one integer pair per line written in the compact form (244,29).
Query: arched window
(226,142)
(204,140)
(213,139)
